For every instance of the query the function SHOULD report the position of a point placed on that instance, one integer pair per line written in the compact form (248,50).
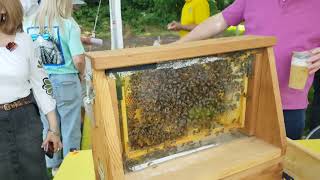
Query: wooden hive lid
(155,54)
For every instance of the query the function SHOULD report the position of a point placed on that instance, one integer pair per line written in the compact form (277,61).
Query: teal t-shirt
(57,46)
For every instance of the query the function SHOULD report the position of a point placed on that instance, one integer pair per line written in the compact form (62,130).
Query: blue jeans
(67,92)
(294,121)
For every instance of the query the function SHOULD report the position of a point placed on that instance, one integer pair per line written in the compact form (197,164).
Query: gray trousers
(21,156)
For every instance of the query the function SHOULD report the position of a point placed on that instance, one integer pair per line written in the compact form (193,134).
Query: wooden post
(107,122)
(253,96)
(269,122)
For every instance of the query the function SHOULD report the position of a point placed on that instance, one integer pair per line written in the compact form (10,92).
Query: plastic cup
(299,70)
(96,41)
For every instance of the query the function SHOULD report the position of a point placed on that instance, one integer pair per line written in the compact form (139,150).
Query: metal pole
(116,24)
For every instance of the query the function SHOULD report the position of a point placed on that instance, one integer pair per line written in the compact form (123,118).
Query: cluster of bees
(166,104)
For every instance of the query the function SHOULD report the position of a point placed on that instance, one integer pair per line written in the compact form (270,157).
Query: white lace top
(20,71)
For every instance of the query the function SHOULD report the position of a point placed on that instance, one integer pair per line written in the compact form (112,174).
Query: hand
(86,40)
(174,26)
(51,137)
(314,61)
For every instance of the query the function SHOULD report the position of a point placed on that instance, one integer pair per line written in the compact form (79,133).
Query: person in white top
(22,149)
(29,7)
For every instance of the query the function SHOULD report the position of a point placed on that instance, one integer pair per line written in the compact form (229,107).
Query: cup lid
(302,55)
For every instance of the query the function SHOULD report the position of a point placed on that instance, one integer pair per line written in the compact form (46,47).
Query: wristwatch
(54,132)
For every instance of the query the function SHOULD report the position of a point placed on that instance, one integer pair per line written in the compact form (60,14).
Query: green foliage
(167,8)
(213,7)
(138,15)
(141,13)
(222,4)
(138,4)
(85,16)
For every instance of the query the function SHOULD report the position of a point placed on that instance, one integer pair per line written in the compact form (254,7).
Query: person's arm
(53,134)
(209,28)
(314,61)
(79,62)
(189,27)
(52,120)
(177,26)
(231,16)
(42,91)
(76,48)
(86,40)
(91,41)
(201,13)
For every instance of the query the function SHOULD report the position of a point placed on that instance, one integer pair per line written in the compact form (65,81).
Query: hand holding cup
(314,61)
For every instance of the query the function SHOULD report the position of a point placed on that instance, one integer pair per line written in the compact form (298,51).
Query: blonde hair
(51,11)
(11,16)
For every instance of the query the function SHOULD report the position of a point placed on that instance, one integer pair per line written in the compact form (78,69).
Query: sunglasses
(11,46)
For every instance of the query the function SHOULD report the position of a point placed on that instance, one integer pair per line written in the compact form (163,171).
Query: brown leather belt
(16,104)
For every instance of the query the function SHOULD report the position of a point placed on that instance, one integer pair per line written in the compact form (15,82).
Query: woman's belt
(16,104)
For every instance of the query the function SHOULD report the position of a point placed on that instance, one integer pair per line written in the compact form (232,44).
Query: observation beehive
(202,110)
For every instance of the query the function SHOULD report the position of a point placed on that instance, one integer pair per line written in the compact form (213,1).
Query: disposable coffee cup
(96,41)
(299,70)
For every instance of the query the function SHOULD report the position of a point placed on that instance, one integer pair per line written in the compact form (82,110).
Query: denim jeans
(21,156)
(67,92)
(294,121)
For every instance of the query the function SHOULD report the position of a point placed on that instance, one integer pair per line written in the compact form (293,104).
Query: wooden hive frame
(237,115)
(259,155)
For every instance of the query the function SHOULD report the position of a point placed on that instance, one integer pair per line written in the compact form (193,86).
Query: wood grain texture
(95,148)
(115,105)
(96,136)
(214,163)
(269,123)
(109,137)
(301,163)
(253,95)
(100,158)
(149,55)
(271,170)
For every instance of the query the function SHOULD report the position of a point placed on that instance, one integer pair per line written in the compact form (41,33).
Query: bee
(173,102)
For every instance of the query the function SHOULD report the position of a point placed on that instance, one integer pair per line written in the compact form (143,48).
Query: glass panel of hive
(178,106)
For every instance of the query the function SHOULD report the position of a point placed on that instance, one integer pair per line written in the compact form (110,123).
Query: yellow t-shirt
(194,12)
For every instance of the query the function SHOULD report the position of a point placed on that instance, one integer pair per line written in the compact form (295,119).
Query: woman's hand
(55,139)
(53,134)
(86,40)
(314,61)
(174,26)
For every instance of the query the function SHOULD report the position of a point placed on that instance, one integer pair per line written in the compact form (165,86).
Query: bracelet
(56,133)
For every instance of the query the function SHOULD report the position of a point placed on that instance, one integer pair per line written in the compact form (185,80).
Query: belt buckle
(7,107)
